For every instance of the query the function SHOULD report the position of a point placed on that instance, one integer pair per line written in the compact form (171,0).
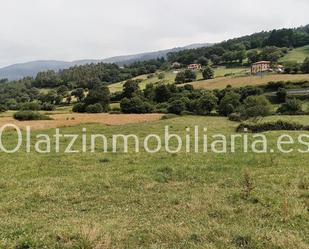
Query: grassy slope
(219,83)
(153,201)
(298,55)
(170,77)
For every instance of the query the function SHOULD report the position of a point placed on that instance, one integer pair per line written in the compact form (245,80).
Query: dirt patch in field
(67,120)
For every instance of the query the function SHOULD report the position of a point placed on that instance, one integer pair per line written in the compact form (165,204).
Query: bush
(161,76)
(135,105)
(272,126)
(3,108)
(229,103)
(282,95)
(305,66)
(48,107)
(79,107)
(291,107)
(30,115)
(177,107)
(96,108)
(208,73)
(236,117)
(206,104)
(169,116)
(256,106)
(30,106)
(185,77)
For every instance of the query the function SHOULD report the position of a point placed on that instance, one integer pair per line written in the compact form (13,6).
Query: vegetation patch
(30,115)
(272,126)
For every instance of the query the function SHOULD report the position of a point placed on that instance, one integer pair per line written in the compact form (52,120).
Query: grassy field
(219,83)
(140,200)
(298,55)
(170,77)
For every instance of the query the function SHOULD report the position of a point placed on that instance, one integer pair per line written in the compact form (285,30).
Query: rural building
(195,66)
(176,65)
(260,66)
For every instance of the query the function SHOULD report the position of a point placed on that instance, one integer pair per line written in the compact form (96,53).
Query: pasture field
(219,83)
(298,55)
(73,119)
(140,200)
(170,77)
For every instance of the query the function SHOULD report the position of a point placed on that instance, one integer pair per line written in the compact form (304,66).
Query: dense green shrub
(229,103)
(185,77)
(282,95)
(135,105)
(30,106)
(256,106)
(305,66)
(96,108)
(3,108)
(30,115)
(79,107)
(177,107)
(48,107)
(271,126)
(291,107)
(208,73)
(236,117)
(206,103)
(169,116)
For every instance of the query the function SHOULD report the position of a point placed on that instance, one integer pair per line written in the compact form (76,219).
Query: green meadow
(141,200)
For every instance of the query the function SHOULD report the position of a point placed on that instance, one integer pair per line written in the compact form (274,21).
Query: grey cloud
(78,29)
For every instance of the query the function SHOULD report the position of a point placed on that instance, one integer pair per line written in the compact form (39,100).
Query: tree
(203,61)
(96,108)
(99,94)
(185,77)
(3,108)
(207,103)
(256,106)
(162,93)
(135,105)
(253,56)
(229,103)
(282,95)
(79,93)
(208,73)
(63,91)
(130,89)
(79,107)
(305,66)
(292,106)
(177,107)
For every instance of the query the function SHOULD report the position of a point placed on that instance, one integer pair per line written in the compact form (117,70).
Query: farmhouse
(195,66)
(260,66)
(176,65)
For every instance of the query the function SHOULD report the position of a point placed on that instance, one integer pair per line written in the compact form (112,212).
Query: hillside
(298,54)
(220,83)
(18,71)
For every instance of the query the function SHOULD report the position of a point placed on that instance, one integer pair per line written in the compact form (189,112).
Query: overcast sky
(96,29)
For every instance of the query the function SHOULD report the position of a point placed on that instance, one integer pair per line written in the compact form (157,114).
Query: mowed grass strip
(220,83)
(297,55)
(139,200)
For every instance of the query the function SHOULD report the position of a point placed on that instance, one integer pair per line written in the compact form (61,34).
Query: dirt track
(66,120)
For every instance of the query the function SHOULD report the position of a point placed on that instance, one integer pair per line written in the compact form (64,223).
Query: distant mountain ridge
(18,71)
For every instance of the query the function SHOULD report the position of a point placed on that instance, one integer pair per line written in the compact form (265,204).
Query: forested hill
(235,49)
(18,71)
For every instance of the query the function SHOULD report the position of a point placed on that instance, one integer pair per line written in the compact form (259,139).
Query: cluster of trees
(237,103)
(272,54)
(87,76)
(234,50)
